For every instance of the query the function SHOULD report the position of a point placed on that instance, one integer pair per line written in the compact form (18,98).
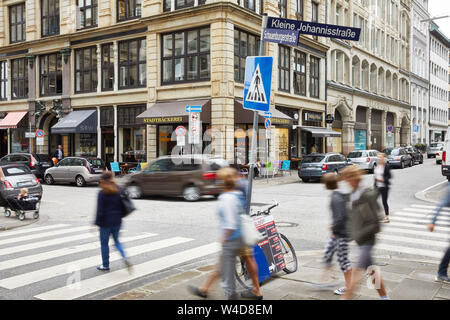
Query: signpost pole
(252,158)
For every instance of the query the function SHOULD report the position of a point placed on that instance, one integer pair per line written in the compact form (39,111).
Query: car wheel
(49,179)
(402,165)
(421,160)
(36,215)
(411,162)
(191,193)
(428,156)
(134,191)
(80,182)
(448,178)
(305,180)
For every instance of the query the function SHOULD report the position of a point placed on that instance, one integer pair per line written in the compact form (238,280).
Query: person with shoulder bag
(363,225)
(382,174)
(110,210)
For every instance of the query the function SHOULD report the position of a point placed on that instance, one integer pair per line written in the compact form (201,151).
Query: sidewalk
(404,279)
(13,222)
(433,194)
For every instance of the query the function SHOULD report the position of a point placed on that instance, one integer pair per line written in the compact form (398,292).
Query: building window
(19,78)
(251,5)
(283,68)
(50,17)
(338,15)
(107,67)
(88,13)
(300,73)
(3,80)
(51,74)
(299,12)
(186,56)
(17,23)
(128,9)
(86,70)
(245,44)
(314,15)
(180,4)
(314,77)
(283,8)
(132,64)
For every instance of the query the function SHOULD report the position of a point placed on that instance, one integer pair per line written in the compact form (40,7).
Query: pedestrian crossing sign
(257,84)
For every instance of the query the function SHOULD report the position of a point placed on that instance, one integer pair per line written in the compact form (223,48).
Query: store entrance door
(108,147)
(3,143)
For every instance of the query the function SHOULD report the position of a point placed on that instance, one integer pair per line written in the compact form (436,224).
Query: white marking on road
(416,226)
(45,234)
(427,211)
(441,244)
(8,264)
(61,269)
(409,250)
(427,217)
(429,207)
(423,221)
(10,233)
(443,236)
(437,184)
(111,279)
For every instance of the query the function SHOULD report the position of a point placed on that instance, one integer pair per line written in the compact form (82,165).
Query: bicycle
(289,261)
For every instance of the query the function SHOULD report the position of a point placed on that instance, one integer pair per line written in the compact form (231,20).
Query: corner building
(112,78)
(368,81)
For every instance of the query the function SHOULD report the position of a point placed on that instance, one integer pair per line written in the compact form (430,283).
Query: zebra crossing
(42,262)
(407,233)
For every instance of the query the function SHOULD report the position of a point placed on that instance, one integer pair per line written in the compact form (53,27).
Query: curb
(29,222)
(421,194)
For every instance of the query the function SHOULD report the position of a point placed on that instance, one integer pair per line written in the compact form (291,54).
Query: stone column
(397,137)
(116,144)
(116,64)
(369,128)
(383,130)
(66,79)
(152,83)
(99,68)
(8,76)
(348,136)
(99,133)
(3,21)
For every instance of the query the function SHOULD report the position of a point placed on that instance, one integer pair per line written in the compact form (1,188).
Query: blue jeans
(443,266)
(104,239)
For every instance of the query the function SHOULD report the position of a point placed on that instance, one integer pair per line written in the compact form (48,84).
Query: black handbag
(128,206)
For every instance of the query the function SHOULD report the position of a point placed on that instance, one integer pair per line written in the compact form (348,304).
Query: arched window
(388,84)
(373,78)
(356,72)
(395,86)
(381,81)
(365,75)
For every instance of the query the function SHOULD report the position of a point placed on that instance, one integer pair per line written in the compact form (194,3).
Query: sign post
(267,124)
(195,127)
(181,139)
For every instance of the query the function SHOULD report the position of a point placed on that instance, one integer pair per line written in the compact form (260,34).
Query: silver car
(364,159)
(18,176)
(433,148)
(78,170)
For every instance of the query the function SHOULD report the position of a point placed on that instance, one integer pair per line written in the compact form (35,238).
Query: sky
(441,8)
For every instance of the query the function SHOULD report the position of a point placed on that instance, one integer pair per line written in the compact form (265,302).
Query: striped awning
(12,119)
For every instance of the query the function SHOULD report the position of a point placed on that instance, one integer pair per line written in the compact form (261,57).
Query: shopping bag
(250,234)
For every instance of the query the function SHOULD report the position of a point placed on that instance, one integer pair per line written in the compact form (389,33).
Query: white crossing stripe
(5,234)
(410,250)
(429,207)
(410,240)
(111,279)
(420,216)
(45,234)
(417,226)
(420,220)
(8,264)
(61,269)
(442,236)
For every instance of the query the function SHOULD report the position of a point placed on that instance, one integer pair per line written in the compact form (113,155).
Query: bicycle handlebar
(266,211)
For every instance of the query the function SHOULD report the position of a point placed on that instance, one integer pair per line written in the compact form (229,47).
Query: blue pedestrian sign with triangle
(257,84)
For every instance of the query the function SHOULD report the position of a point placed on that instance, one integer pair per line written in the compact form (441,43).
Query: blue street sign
(282,36)
(267,123)
(390,128)
(193,108)
(258,82)
(268,115)
(416,128)
(315,29)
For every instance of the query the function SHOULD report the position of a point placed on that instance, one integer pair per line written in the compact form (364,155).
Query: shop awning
(320,132)
(12,119)
(242,115)
(80,121)
(174,112)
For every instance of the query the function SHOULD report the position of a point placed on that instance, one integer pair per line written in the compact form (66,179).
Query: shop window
(17,23)
(186,56)
(19,143)
(128,9)
(19,79)
(314,77)
(86,70)
(132,64)
(3,80)
(300,73)
(245,44)
(284,68)
(88,10)
(85,145)
(107,67)
(282,4)
(50,17)
(51,74)
(181,4)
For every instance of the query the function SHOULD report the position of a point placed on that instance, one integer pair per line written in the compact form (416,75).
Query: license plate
(312,168)
(46,165)
(24,184)
(98,170)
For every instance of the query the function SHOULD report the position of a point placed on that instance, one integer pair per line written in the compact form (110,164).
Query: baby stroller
(21,206)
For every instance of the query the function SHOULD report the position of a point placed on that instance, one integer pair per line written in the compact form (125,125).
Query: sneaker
(445,279)
(129,266)
(102,268)
(340,291)
(196,291)
(386,220)
(250,295)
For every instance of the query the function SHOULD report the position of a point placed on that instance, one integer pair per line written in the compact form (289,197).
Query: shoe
(340,291)
(129,266)
(445,279)
(234,296)
(250,295)
(196,291)
(102,268)
(386,220)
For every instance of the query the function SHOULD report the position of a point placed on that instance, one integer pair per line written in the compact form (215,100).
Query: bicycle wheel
(242,275)
(290,258)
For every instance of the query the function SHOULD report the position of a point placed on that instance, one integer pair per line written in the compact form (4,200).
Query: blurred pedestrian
(442,274)
(110,211)
(2,175)
(338,241)
(59,153)
(383,176)
(363,224)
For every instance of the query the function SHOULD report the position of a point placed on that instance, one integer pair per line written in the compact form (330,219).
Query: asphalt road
(303,216)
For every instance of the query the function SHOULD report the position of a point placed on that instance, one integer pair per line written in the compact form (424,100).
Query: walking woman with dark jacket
(382,174)
(110,211)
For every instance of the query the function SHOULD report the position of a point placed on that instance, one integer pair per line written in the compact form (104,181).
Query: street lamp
(435,18)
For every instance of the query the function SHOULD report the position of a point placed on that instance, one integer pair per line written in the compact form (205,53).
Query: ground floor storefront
(437,133)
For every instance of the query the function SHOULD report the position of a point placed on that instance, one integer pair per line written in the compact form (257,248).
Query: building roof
(434,30)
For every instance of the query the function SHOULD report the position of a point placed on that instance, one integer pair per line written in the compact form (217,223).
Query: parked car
(439,156)
(315,165)
(364,159)
(189,176)
(398,157)
(78,170)
(37,163)
(18,176)
(415,154)
(445,166)
(433,148)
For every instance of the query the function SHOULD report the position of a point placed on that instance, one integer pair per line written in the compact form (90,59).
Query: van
(445,164)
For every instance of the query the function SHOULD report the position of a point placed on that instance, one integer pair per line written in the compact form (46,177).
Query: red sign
(180,131)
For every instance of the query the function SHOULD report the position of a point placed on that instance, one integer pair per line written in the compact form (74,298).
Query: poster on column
(360,139)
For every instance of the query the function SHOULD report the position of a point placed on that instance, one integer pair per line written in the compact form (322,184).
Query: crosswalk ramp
(407,233)
(58,261)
